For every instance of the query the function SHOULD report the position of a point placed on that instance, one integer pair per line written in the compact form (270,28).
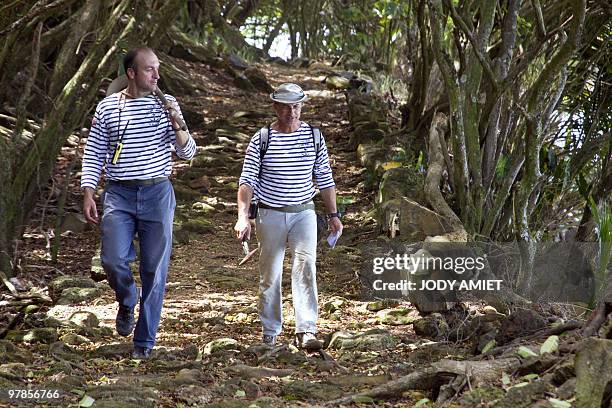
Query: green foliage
(342,202)
(368,31)
(419,164)
(501,169)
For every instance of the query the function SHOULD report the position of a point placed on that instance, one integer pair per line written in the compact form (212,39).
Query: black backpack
(264,138)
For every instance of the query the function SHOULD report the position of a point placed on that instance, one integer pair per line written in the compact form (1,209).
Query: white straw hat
(288,93)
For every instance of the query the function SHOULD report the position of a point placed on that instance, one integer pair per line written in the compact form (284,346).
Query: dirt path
(208,342)
(208,351)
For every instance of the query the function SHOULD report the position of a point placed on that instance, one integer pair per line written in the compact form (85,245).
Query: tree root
(551,331)
(600,314)
(246,372)
(8,283)
(436,375)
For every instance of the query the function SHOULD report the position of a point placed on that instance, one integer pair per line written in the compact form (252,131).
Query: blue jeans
(149,212)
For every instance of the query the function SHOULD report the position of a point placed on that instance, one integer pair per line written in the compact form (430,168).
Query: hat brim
(117,85)
(287,102)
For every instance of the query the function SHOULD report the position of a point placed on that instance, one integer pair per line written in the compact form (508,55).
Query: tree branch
(455,98)
(27,89)
(539,18)
(482,58)
(35,11)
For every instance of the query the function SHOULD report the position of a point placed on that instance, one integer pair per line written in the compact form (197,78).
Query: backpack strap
(316,141)
(264,138)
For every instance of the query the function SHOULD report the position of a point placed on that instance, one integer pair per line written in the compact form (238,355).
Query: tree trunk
(456,101)
(250,7)
(87,18)
(533,143)
(275,31)
(26,169)
(230,34)
(434,173)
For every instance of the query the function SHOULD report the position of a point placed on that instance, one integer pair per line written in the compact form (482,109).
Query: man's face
(288,112)
(145,72)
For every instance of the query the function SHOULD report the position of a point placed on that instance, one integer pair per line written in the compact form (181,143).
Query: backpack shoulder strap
(264,138)
(316,140)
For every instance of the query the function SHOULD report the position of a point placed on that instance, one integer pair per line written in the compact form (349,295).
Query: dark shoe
(141,353)
(125,322)
(269,339)
(307,341)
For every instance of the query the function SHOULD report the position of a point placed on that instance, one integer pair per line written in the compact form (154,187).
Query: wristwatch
(333,215)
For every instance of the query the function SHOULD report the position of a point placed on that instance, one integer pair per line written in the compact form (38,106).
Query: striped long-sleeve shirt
(147,140)
(288,167)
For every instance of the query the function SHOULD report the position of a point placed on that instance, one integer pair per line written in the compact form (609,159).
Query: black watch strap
(332,215)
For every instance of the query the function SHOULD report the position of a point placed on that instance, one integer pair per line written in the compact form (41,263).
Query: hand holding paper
(333,238)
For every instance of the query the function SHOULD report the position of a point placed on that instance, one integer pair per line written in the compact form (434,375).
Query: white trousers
(276,229)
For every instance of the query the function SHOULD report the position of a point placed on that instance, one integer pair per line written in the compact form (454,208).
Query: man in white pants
(278,173)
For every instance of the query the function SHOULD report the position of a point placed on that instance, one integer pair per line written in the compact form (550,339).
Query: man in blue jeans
(131,138)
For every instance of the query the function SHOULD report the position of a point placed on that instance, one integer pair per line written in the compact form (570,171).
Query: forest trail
(209,351)
(209,338)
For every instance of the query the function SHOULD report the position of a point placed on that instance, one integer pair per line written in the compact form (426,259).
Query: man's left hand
(335,225)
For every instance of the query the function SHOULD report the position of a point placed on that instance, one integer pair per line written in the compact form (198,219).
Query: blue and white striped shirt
(287,168)
(147,140)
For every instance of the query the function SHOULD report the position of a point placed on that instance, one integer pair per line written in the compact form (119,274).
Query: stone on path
(220,345)
(258,79)
(77,295)
(433,326)
(194,395)
(57,286)
(418,222)
(13,371)
(61,351)
(237,62)
(336,303)
(287,355)
(379,305)
(198,226)
(305,390)
(124,395)
(46,335)
(84,319)
(114,351)
(371,340)
(337,82)
(397,317)
(74,339)
(9,353)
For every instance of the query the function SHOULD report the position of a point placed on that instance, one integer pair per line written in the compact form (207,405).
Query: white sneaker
(307,341)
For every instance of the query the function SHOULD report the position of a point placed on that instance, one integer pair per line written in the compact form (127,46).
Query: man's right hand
(89,207)
(243,228)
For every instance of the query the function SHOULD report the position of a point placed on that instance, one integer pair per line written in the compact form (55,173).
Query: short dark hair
(130,57)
